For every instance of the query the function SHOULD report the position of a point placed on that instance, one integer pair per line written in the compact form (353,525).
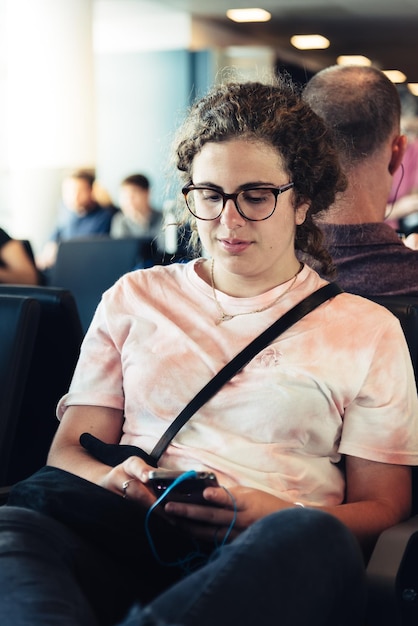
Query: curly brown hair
(275,114)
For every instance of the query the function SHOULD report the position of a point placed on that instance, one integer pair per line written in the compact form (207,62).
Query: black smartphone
(188,490)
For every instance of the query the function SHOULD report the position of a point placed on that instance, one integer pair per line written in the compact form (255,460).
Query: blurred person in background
(81,216)
(411,241)
(403,199)
(136,217)
(16,265)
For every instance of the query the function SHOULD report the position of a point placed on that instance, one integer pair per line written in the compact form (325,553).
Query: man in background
(136,218)
(362,108)
(81,216)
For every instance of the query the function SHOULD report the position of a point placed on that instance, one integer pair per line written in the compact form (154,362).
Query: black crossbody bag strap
(113,454)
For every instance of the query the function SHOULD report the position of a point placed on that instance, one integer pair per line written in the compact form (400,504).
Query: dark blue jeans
(298,567)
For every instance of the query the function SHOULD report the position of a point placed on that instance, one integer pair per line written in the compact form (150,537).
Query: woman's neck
(241,286)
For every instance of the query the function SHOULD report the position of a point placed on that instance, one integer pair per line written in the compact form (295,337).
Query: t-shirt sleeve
(381,424)
(97,379)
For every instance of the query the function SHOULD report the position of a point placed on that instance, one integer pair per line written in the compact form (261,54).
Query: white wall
(49,90)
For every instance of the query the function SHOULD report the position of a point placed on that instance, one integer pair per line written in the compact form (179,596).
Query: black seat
(29,251)
(406,310)
(89,266)
(19,318)
(55,353)
(393,567)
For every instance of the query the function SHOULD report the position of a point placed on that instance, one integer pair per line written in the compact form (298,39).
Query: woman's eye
(211,196)
(255,197)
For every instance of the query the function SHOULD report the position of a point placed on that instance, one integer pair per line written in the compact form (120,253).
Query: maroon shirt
(372,260)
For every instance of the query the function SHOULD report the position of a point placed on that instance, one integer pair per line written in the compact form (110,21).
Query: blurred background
(102,84)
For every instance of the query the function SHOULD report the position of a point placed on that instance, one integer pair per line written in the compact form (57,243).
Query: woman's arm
(378,496)
(18,268)
(105,423)
(66,451)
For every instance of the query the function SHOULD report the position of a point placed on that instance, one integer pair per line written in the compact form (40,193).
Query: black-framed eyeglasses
(254,204)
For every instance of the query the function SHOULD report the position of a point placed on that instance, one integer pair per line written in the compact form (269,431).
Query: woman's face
(261,251)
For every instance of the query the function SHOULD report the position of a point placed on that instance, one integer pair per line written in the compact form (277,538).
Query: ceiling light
(353,59)
(248,15)
(395,76)
(413,88)
(309,42)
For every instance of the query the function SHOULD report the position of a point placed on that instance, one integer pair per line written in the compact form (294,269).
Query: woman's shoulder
(352,309)
(353,301)
(150,279)
(355,311)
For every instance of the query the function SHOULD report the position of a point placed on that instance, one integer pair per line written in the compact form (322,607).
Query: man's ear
(398,151)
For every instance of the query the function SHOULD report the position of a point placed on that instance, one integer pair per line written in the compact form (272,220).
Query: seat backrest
(19,318)
(405,308)
(89,266)
(55,353)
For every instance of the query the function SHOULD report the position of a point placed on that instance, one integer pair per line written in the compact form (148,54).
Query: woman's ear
(398,151)
(300,214)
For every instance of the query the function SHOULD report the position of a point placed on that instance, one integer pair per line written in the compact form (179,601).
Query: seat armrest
(392,576)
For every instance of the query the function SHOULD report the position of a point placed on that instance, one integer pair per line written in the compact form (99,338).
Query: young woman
(256,167)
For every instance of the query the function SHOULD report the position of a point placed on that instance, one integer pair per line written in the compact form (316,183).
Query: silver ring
(125,486)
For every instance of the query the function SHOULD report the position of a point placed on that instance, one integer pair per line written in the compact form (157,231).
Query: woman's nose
(230,216)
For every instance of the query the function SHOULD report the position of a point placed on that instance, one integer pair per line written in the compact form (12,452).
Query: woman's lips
(234,246)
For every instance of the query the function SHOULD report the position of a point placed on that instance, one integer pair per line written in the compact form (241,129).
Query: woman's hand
(129,480)
(126,479)
(212,521)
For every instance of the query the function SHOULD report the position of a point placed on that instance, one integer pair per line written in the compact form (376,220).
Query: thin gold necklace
(225,317)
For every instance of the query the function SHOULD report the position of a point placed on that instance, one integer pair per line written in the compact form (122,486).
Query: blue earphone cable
(194,559)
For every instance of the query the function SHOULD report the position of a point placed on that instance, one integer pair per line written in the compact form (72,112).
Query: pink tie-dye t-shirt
(340,381)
